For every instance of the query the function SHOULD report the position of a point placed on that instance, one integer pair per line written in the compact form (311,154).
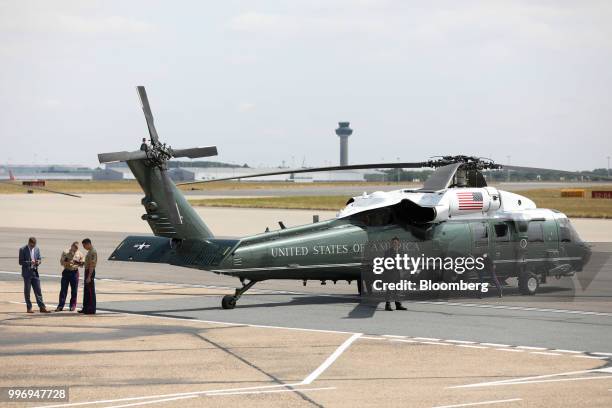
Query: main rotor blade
(417,165)
(195,152)
(146,108)
(575,173)
(173,213)
(121,156)
(39,188)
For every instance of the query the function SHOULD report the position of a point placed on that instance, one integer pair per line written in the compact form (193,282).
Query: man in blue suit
(29,259)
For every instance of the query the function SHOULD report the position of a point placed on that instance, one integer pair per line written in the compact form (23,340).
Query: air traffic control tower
(343,132)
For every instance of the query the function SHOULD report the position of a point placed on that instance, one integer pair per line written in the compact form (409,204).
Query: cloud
(112,24)
(256,22)
(246,107)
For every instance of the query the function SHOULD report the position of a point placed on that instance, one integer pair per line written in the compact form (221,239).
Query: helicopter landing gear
(229,301)
(528,283)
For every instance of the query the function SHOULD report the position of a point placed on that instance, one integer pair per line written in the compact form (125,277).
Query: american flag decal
(469,200)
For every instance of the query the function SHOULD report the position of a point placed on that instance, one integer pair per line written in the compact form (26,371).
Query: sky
(528,82)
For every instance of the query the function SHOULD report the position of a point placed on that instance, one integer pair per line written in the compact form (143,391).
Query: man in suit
(29,259)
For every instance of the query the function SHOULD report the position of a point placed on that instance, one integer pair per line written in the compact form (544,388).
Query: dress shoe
(398,306)
(388,307)
(72,308)
(81,311)
(44,310)
(30,311)
(58,309)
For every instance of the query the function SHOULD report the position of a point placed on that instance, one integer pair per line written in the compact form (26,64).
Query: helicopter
(454,213)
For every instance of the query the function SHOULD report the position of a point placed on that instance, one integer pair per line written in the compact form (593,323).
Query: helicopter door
(504,248)
(536,255)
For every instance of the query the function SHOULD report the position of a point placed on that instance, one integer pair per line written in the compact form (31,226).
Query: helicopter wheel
(228,302)
(528,283)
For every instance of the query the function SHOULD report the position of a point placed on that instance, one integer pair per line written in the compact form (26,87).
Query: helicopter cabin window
(502,232)
(535,232)
(480,234)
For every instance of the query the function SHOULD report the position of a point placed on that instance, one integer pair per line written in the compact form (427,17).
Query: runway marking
(494,345)
(152,402)
(270,391)
(521,308)
(471,346)
(372,338)
(592,357)
(330,360)
(568,351)
(473,404)
(510,349)
(541,379)
(390,337)
(426,338)
(545,353)
(601,354)
(435,343)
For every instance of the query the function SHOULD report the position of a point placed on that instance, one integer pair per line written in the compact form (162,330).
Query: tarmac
(162,339)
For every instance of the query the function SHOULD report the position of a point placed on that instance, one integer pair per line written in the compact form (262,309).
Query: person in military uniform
(392,276)
(89,289)
(71,260)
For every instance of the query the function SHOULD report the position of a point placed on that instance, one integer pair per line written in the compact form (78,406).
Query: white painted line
(182,394)
(435,343)
(330,360)
(521,380)
(461,341)
(557,380)
(568,351)
(426,338)
(133,404)
(270,391)
(494,345)
(473,404)
(404,340)
(511,349)
(372,338)
(393,336)
(471,346)
(592,357)
(531,348)
(520,308)
(601,354)
(545,353)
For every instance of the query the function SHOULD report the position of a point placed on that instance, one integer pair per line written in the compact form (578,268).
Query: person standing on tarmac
(490,267)
(89,289)
(30,259)
(392,276)
(71,260)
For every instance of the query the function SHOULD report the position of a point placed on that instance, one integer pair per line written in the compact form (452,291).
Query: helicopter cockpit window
(567,233)
(535,232)
(502,233)
(375,218)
